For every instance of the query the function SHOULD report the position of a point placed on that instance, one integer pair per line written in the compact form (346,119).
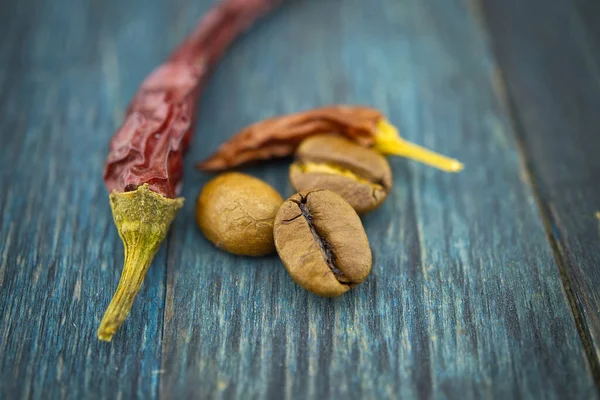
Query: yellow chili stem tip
(388,141)
(142,218)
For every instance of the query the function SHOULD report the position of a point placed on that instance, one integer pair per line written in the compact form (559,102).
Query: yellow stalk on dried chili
(388,141)
(142,218)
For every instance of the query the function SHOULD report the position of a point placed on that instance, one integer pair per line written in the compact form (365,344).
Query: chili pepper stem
(142,218)
(388,141)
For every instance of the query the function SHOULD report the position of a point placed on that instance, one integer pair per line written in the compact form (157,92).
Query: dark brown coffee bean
(322,242)
(360,175)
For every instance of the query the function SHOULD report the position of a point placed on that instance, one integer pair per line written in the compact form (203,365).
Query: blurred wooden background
(485,284)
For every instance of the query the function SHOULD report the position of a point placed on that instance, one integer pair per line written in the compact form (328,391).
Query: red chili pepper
(144,166)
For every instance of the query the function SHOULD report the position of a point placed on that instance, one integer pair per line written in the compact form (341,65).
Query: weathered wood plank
(465,299)
(66,68)
(551,65)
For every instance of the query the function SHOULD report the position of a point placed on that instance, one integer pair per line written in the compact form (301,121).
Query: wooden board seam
(504,96)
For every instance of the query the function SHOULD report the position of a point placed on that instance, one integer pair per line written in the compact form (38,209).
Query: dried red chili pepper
(144,166)
(280,136)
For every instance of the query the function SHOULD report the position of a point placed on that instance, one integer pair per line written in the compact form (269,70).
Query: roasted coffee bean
(236,212)
(360,175)
(322,243)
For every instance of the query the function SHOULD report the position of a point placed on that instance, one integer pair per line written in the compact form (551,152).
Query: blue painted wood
(465,298)
(551,63)
(65,76)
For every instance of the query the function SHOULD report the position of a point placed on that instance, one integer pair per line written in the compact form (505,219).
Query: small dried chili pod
(281,136)
(144,167)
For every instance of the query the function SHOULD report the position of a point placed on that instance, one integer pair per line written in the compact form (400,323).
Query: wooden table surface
(485,284)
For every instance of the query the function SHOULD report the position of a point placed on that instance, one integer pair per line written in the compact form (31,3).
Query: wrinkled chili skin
(150,145)
(280,136)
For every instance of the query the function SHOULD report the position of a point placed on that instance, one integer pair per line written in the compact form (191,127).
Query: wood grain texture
(465,298)
(551,63)
(60,255)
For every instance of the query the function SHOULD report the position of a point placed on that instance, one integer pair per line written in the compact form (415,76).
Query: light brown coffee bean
(361,176)
(322,243)
(236,212)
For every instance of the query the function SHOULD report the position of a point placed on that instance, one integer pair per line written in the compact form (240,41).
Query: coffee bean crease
(324,245)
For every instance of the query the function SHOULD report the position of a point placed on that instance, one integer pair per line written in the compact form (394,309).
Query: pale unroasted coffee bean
(322,243)
(361,176)
(236,212)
